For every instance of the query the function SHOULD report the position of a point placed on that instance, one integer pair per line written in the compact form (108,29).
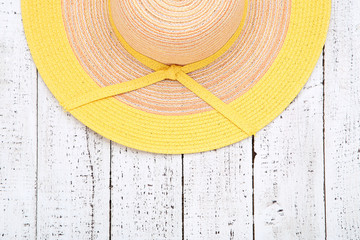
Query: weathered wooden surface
(218,193)
(342,122)
(146,195)
(73,175)
(18,128)
(299,178)
(289,170)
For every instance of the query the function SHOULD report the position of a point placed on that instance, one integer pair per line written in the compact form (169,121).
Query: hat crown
(177,31)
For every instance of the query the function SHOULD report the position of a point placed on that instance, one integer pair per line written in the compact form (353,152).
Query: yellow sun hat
(169,76)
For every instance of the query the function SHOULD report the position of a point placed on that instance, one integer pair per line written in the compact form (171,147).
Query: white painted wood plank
(17,128)
(73,176)
(218,193)
(146,195)
(289,179)
(342,121)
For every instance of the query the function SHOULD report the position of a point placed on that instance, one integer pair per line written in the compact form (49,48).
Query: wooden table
(299,178)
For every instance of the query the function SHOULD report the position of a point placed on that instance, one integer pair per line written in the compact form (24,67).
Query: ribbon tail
(226,110)
(113,90)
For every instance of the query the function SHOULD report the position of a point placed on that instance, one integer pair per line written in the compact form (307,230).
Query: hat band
(156,65)
(172,72)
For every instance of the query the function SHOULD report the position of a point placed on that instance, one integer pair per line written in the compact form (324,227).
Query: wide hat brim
(285,76)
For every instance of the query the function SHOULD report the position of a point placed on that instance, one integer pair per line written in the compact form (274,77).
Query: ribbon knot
(173,71)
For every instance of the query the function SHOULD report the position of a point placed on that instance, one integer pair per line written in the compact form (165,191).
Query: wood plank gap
(324,145)
(91,165)
(37,155)
(183,198)
(253,184)
(110,191)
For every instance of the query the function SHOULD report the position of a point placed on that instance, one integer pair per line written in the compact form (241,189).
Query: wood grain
(18,135)
(342,121)
(289,192)
(218,193)
(146,195)
(73,175)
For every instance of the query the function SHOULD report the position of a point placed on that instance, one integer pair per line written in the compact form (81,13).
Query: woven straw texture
(66,77)
(102,54)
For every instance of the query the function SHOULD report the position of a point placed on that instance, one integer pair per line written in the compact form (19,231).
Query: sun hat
(171,76)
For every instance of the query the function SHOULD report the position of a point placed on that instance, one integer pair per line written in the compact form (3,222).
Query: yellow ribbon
(173,72)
